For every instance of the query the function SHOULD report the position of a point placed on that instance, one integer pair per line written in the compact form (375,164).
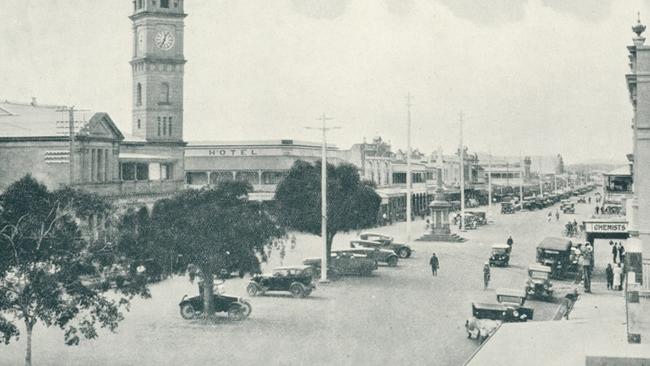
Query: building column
(259,177)
(234,175)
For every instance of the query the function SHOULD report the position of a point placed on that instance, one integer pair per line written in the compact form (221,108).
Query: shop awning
(144,158)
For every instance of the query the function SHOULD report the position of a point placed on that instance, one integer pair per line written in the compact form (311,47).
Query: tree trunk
(208,295)
(28,350)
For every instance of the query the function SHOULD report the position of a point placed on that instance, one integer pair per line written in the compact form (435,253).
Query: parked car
(531,204)
(486,317)
(507,208)
(294,279)
(479,216)
(568,208)
(343,264)
(237,308)
(539,283)
(500,255)
(557,254)
(368,249)
(386,242)
(582,199)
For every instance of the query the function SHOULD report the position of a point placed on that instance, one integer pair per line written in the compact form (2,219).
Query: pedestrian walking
(589,200)
(434,264)
(597,209)
(614,250)
(618,277)
(549,216)
(609,273)
(621,253)
(293,241)
(510,242)
(557,215)
(384,219)
(427,227)
(486,275)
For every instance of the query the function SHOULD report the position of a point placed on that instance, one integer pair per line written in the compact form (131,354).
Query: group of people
(615,277)
(571,228)
(617,250)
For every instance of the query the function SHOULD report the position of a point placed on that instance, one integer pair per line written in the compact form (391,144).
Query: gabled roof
(32,120)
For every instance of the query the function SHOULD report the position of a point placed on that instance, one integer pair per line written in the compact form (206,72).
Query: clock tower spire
(157,67)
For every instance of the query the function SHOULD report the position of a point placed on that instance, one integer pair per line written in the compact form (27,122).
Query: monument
(439,210)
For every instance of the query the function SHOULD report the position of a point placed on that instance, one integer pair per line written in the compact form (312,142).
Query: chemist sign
(613,227)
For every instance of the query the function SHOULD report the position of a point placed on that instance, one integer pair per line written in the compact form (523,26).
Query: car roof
(500,246)
(511,292)
(539,267)
(364,241)
(293,267)
(490,306)
(555,243)
(376,234)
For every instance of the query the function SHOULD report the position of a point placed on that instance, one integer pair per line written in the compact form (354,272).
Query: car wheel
(246,308)
(252,289)
(297,290)
(392,262)
(404,253)
(187,311)
(236,312)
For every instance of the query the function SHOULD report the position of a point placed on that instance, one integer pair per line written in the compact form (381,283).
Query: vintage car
(500,255)
(386,242)
(531,204)
(539,283)
(557,254)
(370,250)
(237,308)
(513,298)
(567,207)
(507,208)
(582,199)
(295,279)
(478,217)
(343,264)
(486,318)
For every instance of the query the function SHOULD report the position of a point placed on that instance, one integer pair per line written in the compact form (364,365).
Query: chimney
(33,101)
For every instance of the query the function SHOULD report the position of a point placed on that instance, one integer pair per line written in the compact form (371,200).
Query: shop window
(197,178)
(128,171)
(218,177)
(272,177)
(250,177)
(142,171)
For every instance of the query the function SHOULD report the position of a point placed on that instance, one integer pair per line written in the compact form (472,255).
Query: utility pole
(408,169)
(323,233)
(554,182)
(521,181)
(541,184)
(461,156)
(71,134)
(490,185)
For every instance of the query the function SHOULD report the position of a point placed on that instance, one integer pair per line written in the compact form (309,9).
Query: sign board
(606,227)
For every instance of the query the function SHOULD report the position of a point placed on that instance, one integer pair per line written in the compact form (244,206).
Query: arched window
(138,94)
(164,93)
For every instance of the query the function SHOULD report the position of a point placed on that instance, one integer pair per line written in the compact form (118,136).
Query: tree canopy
(213,230)
(49,267)
(351,203)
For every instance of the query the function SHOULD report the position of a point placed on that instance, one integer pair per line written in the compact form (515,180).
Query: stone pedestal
(439,218)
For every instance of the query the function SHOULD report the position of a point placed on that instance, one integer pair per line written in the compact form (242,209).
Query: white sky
(531,76)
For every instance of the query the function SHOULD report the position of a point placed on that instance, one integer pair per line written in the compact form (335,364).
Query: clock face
(165,40)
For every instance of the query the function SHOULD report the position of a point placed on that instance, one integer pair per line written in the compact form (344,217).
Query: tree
(43,256)
(213,230)
(351,203)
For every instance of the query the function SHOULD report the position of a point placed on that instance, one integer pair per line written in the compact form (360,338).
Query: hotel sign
(224,152)
(606,227)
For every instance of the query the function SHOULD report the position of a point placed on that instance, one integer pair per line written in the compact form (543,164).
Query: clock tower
(157,67)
